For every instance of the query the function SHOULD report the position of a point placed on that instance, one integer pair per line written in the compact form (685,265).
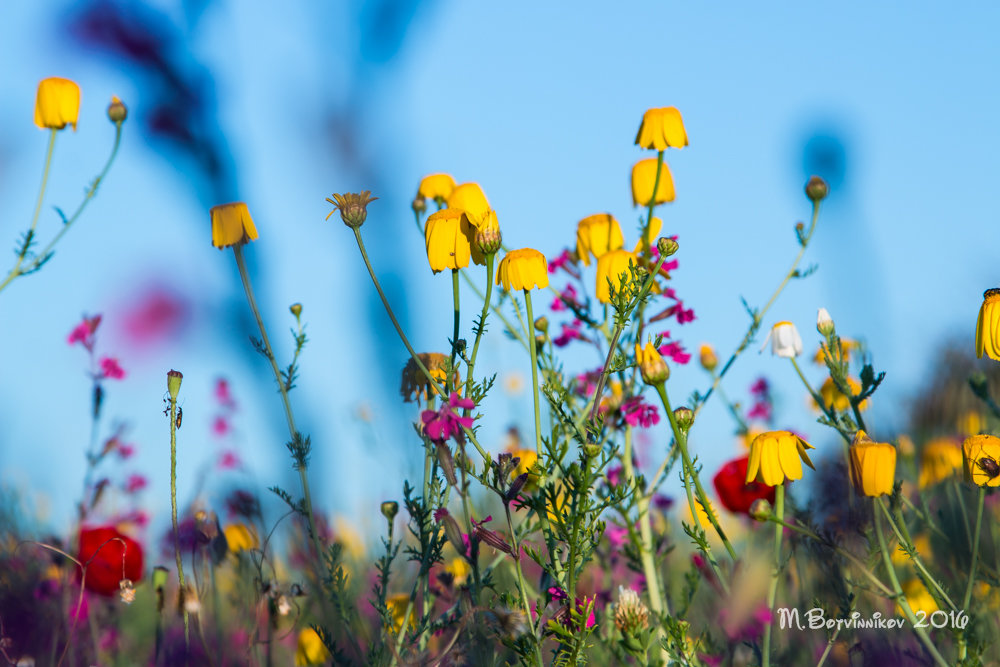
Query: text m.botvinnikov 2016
(815,619)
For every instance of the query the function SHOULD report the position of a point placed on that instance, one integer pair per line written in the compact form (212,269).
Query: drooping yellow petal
(57,103)
(643,178)
(470,198)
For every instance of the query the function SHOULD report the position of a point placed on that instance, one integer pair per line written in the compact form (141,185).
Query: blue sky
(540,105)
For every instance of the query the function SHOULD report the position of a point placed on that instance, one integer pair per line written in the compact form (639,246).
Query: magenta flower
(220,426)
(569,332)
(638,413)
(135,483)
(84,332)
(111,370)
(223,394)
(568,295)
(229,460)
(617,536)
(157,314)
(560,261)
(443,424)
(126,451)
(558,594)
(673,349)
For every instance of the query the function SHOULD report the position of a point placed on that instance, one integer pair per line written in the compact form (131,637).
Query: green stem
(499,313)
(520,582)
(758,316)
(534,375)
(772,591)
(975,548)
(454,338)
(482,315)
(173,516)
(656,602)
(901,598)
(898,526)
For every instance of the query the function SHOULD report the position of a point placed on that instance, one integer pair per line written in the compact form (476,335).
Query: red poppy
(109,557)
(733,491)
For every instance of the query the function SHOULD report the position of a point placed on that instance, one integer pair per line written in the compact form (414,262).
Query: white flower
(785,340)
(824,323)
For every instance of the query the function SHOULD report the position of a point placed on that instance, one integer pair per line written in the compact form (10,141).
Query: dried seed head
(631,615)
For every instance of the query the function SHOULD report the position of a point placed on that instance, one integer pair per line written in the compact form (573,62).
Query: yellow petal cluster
(988,326)
(611,265)
(918,597)
(982,460)
(873,465)
(523,269)
(57,103)
(836,400)
(240,537)
(643,178)
(396,604)
(597,234)
(232,225)
(448,235)
(941,459)
(470,198)
(776,456)
(652,367)
(436,186)
(661,129)
(846,345)
(310,649)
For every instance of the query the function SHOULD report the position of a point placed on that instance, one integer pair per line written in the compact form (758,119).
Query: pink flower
(760,410)
(155,315)
(126,451)
(220,426)
(760,386)
(84,332)
(617,536)
(567,295)
(560,262)
(135,483)
(674,350)
(615,475)
(440,513)
(111,370)
(558,594)
(569,332)
(223,395)
(228,460)
(445,423)
(638,413)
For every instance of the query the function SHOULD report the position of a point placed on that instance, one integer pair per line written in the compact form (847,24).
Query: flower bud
(652,367)
(591,449)
(684,418)
(488,238)
(824,323)
(816,189)
(760,509)
(666,246)
(453,533)
(389,509)
(419,205)
(785,340)
(539,342)
(174,384)
(707,357)
(516,486)
(117,111)
(296,309)
(542,324)
(353,207)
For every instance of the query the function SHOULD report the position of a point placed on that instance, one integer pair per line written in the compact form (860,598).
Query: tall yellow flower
(232,225)
(310,650)
(941,459)
(643,177)
(836,400)
(873,465)
(523,269)
(448,235)
(661,129)
(776,456)
(436,186)
(611,265)
(57,103)
(470,198)
(982,460)
(988,326)
(597,234)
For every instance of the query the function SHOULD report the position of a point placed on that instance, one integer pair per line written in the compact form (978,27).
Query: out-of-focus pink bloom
(760,410)
(674,350)
(125,451)
(440,513)
(558,594)
(156,314)
(560,261)
(135,483)
(108,640)
(569,332)
(138,518)
(223,395)
(229,460)
(617,536)
(84,332)
(80,613)
(760,386)
(567,295)
(444,423)
(662,502)
(615,475)
(586,383)
(638,413)
(220,426)
(111,370)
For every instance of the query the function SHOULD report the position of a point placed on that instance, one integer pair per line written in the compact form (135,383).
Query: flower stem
(772,591)
(454,337)
(520,582)
(975,548)
(173,516)
(656,602)
(482,315)
(898,526)
(901,598)
(532,348)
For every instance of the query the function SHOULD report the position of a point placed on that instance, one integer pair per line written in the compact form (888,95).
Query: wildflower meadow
(598,529)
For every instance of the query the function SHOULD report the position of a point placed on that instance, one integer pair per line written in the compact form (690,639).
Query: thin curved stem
(975,548)
(532,347)
(772,591)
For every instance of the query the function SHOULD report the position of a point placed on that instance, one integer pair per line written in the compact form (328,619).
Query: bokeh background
(280,105)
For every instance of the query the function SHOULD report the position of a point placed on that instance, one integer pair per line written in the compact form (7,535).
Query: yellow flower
(459,570)
(611,265)
(971,423)
(396,604)
(232,225)
(918,597)
(527,459)
(415,384)
(652,234)
(311,650)
(436,186)
(941,459)
(470,198)
(707,357)
(643,177)
(982,460)
(661,129)
(846,345)
(652,367)
(449,236)
(523,269)
(240,537)
(921,543)
(486,238)
(597,234)
(988,326)
(57,103)
(833,399)
(776,456)
(873,465)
